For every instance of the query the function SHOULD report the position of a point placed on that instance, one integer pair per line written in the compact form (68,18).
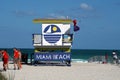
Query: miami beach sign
(60,56)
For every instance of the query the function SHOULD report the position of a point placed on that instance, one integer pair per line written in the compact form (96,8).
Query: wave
(79,60)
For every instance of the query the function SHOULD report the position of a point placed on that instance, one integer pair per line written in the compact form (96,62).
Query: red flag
(76,28)
(74,22)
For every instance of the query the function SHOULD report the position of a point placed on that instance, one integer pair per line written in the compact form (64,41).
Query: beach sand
(78,71)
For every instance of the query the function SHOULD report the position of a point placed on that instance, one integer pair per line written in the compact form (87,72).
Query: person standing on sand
(16,58)
(115,57)
(106,58)
(19,61)
(5,58)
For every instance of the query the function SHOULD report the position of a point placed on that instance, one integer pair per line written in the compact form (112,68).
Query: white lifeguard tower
(54,44)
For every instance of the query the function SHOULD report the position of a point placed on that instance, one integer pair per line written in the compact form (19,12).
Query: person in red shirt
(16,58)
(5,58)
(19,61)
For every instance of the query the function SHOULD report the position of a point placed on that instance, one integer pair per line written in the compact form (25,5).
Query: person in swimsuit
(5,58)
(16,58)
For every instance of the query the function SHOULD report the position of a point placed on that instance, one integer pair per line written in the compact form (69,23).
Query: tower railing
(66,40)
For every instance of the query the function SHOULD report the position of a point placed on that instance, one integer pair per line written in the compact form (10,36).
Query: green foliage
(2,77)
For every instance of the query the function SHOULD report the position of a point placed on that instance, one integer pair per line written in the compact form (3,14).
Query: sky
(99,21)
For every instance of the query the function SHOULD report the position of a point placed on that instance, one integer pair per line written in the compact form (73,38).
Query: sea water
(77,55)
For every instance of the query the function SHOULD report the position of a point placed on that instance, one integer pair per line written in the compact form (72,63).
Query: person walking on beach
(5,58)
(106,57)
(19,61)
(115,57)
(16,58)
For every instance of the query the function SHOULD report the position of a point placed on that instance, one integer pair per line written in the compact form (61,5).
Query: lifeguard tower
(54,44)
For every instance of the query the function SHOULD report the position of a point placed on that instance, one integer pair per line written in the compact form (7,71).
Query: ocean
(77,55)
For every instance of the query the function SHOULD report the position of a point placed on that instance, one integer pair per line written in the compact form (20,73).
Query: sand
(78,71)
